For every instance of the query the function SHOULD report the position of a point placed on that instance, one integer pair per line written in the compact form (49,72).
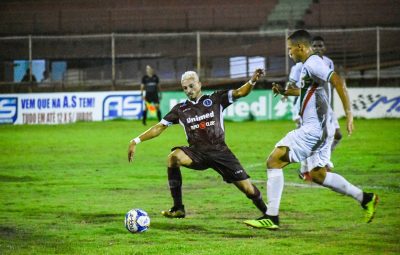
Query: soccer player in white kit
(318,46)
(311,142)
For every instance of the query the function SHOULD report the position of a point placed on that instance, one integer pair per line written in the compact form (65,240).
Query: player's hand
(350,125)
(257,74)
(277,89)
(131,151)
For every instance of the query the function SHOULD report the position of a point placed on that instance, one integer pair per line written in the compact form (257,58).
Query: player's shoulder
(313,61)
(180,105)
(328,61)
(298,65)
(219,92)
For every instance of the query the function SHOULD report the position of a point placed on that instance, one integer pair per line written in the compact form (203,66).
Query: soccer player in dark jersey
(150,85)
(202,119)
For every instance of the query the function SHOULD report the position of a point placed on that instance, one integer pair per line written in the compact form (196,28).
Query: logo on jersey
(203,125)
(200,118)
(122,106)
(207,103)
(8,109)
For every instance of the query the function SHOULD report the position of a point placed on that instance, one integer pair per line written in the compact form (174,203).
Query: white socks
(341,185)
(274,190)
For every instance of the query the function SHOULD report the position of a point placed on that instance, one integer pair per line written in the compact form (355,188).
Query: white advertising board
(60,108)
(371,103)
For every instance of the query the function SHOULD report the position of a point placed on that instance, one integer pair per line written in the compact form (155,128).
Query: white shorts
(311,146)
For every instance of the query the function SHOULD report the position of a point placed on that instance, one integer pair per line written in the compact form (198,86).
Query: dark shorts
(152,98)
(222,160)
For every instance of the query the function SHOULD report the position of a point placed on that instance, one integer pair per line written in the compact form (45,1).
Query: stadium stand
(287,14)
(355,13)
(78,36)
(88,16)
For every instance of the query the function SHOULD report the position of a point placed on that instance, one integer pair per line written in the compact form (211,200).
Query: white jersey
(315,107)
(295,72)
(294,77)
(329,63)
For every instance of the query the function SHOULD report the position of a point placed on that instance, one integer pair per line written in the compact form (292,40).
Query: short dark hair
(318,38)
(300,36)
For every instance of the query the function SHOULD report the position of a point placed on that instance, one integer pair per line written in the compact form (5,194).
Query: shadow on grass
(98,217)
(8,178)
(7,232)
(15,240)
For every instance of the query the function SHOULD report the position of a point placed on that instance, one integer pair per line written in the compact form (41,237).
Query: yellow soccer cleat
(266,222)
(174,212)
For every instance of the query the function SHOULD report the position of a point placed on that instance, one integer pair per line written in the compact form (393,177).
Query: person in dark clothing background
(150,89)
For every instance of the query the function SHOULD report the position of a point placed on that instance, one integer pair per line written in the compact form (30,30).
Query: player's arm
(277,89)
(151,133)
(341,89)
(246,88)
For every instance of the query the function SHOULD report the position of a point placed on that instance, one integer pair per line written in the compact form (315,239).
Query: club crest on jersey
(207,103)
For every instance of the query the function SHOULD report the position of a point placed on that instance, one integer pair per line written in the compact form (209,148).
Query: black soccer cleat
(175,212)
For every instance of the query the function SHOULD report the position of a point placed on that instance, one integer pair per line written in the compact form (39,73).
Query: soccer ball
(137,221)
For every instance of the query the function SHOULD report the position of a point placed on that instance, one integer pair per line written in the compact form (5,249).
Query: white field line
(316,186)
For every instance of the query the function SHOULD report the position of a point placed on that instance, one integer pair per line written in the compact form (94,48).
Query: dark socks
(159,115)
(144,117)
(175,185)
(258,201)
(367,197)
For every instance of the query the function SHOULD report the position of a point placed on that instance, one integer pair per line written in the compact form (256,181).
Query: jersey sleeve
(223,97)
(295,72)
(329,62)
(332,66)
(317,68)
(144,80)
(172,117)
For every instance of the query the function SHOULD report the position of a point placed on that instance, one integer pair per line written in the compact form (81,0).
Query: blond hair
(190,75)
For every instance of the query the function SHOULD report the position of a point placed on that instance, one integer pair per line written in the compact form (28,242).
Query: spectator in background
(46,78)
(150,91)
(28,77)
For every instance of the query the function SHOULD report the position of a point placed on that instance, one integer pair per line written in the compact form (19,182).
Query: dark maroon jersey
(203,120)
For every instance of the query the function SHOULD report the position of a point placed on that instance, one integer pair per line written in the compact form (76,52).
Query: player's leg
(340,185)
(176,159)
(278,159)
(338,134)
(228,166)
(253,193)
(144,117)
(157,105)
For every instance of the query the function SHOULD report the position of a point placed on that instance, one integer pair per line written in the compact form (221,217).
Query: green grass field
(65,190)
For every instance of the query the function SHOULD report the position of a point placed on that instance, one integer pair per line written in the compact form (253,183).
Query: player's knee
(318,175)
(273,161)
(173,159)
